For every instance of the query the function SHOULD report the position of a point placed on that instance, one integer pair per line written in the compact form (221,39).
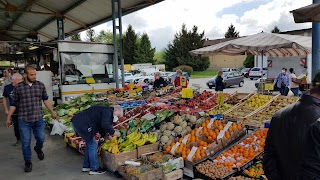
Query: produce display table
(164,136)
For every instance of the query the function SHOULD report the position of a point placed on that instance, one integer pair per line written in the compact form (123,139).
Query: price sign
(211,122)
(192,152)
(174,148)
(185,139)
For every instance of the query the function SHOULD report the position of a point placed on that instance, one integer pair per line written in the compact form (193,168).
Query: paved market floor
(60,161)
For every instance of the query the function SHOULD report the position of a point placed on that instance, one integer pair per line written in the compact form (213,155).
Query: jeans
(283,91)
(38,129)
(295,91)
(16,126)
(90,155)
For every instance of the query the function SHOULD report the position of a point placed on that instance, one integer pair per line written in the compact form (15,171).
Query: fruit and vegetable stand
(164,136)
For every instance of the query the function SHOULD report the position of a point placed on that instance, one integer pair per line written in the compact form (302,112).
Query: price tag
(211,122)
(192,152)
(227,126)
(201,113)
(198,131)
(185,139)
(174,148)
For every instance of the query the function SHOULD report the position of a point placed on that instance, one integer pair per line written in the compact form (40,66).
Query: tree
(249,62)
(75,37)
(144,52)
(90,35)
(104,37)
(129,45)
(276,30)
(159,57)
(178,51)
(231,32)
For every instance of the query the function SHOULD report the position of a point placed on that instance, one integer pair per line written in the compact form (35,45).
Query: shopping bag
(290,93)
(58,128)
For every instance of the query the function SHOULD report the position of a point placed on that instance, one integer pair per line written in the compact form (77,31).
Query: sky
(161,21)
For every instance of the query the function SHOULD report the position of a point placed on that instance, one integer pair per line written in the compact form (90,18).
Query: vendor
(180,80)
(87,123)
(159,81)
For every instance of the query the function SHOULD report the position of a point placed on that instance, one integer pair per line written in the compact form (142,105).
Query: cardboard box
(147,149)
(173,164)
(302,80)
(114,161)
(155,174)
(177,174)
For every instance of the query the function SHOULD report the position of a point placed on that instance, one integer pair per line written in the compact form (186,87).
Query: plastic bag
(58,128)
(290,93)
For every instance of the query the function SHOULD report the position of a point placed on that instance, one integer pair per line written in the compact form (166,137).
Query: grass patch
(203,74)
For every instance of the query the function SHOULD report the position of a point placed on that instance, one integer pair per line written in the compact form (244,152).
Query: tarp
(271,44)
(309,13)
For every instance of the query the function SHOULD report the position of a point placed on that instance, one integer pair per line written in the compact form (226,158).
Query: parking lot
(248,86)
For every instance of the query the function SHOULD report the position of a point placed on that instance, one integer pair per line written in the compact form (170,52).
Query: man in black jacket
(87,123)
(287,135)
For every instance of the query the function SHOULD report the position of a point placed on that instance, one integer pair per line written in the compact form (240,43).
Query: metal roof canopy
(22,18)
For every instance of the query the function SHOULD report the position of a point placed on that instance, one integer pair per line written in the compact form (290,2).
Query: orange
(220,127)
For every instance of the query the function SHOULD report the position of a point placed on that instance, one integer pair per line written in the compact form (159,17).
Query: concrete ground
(60,162)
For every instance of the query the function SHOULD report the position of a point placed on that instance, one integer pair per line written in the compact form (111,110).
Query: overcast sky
(163,20)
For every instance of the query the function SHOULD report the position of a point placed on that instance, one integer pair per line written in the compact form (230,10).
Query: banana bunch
(111,145)
(152,138)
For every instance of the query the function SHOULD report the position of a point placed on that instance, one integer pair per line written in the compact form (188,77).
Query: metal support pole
(121,42)
(60,27)
(262,80)
(315,46)
(115,55)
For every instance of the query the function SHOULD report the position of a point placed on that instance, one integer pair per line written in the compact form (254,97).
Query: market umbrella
(267,44)
(309,13)
(264,44)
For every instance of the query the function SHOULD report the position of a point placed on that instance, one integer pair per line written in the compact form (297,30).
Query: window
(255,69)
(76,67)
(236,74)
(230,75)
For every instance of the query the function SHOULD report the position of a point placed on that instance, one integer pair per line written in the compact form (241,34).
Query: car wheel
(241,84)
(251,78)
(210,87)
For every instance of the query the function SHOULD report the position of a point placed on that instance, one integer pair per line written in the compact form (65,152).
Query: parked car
(257,72)
(229,69)
(245,72)
(149,79)
(229,79)
(126,76)
(172,76)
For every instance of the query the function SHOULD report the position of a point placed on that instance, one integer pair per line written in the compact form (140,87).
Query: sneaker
(28,166)
(98,171)
(39,153)
(85,169)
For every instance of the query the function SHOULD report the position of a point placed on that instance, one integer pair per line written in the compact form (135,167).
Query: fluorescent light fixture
(33,47)
(19,52)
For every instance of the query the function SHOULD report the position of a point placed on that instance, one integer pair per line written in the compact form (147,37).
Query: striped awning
(270,44)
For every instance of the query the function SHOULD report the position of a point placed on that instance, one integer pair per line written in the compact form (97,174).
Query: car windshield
(137,75)
(245,70)
(224,69)
(255,69)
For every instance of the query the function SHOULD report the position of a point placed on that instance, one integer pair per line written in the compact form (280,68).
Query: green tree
(75,37)
(144,52)
(249,62)
(129,45)
(105,37)
(90,35)
(178,51)
(231,32)
(159,57)
(275,30)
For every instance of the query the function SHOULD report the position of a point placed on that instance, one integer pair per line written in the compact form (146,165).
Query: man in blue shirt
(282,82)
(89,122)
(7,93)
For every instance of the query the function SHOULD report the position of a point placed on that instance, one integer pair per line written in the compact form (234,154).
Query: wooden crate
(176,174)
(147,149)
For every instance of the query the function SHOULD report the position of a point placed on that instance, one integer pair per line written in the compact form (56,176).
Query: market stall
(165,136)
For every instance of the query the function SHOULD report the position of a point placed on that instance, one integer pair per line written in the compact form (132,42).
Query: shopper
(159,81)
(180,80)
(287,134)
(282,82)
(293,86)
(219,82)
(7,94)
(87,123)
(28,96)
